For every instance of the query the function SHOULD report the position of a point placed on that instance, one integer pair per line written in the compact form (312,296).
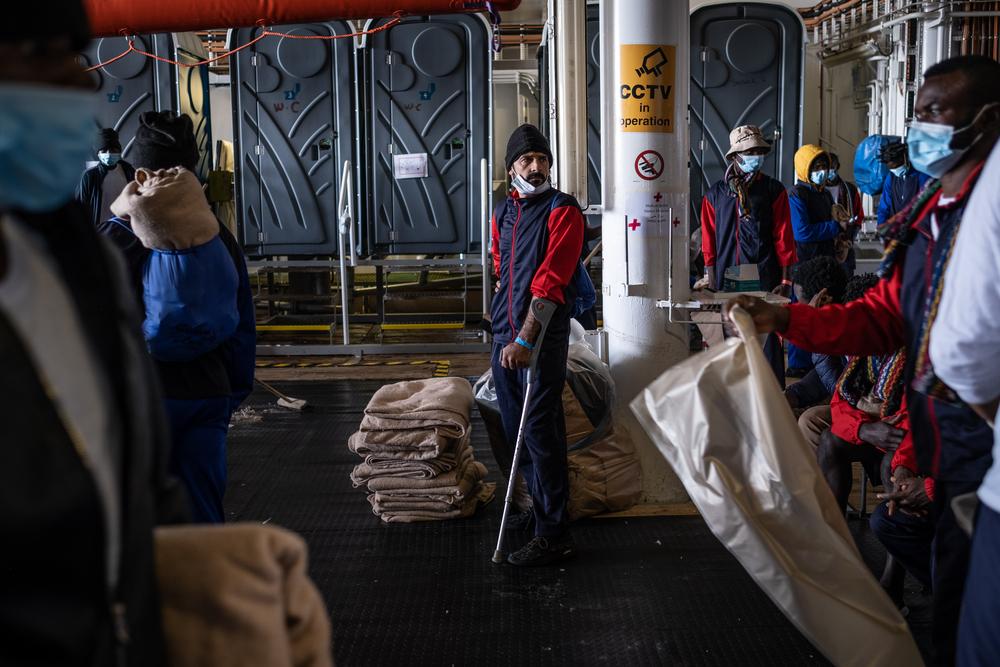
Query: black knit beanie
(164,140)
(107,139)
(526,139)
(40,22)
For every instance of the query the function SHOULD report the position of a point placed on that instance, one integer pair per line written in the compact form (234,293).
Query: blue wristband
(523,343)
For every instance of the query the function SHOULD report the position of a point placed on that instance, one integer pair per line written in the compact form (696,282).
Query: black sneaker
(543,551)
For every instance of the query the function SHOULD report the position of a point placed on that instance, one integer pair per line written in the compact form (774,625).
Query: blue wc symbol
(116,96)
(426,94)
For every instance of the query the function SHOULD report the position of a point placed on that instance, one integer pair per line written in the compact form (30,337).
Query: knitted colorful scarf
(877,377)
(899,232)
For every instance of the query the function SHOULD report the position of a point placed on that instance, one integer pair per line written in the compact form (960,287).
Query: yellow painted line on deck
(293,327)
(414,326)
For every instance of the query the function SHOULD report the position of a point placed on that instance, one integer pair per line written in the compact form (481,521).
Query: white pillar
(645,73)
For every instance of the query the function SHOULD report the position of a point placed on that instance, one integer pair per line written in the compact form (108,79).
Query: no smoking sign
(649,165)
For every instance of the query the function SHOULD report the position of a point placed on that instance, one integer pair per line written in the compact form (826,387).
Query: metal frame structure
(348,260)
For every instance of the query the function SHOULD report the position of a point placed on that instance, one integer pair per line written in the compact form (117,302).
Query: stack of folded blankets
(418,462)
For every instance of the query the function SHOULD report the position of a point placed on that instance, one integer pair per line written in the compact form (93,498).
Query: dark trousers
(543,454)
(198,431)
(979,627)
(951,566)
(775,356)
(907,538)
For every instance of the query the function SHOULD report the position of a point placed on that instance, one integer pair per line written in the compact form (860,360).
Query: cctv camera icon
(652,63)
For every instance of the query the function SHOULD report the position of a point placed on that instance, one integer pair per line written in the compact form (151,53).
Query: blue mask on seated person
(818,177)
(749,164)
(899,171)
(55,123)
(831,176)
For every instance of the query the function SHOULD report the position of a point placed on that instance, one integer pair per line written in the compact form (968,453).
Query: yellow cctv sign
(647,87)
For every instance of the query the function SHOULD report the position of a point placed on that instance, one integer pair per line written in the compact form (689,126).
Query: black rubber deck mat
(643,591)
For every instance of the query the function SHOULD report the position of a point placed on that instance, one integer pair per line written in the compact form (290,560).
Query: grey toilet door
(746,68)
(427,89)
(293,108)
(133,85)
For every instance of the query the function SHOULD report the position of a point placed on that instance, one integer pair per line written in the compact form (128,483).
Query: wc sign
(646,87)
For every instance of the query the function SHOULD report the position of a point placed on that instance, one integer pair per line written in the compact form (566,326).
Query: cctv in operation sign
(647,87)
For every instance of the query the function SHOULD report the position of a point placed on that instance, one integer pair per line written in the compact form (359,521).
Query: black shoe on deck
(543,551)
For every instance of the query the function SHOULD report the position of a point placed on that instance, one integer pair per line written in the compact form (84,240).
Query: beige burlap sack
(167,209)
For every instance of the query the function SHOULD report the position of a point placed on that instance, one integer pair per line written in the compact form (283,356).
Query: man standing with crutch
(537,237)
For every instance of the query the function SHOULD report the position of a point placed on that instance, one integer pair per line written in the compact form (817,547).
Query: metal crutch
(543,313)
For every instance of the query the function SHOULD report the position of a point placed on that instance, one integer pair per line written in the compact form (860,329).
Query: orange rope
(397,17)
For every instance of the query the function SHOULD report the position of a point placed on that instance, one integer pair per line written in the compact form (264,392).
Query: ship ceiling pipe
(115,17)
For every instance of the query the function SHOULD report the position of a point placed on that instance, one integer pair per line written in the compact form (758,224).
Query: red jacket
(846,422)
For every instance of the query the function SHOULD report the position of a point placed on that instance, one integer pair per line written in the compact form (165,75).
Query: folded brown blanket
(380,504)
(167,209)
(238,595)
(382,467)
(411,445)
(442,403)
(458,482)
(483,494)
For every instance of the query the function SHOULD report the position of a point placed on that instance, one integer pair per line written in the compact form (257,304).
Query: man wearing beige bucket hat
(746,225)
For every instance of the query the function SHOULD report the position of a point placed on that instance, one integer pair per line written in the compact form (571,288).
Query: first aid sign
(646,87)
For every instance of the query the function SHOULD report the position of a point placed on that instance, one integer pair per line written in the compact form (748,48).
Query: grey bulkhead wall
(746,68)
(427,91)
(135,84)
(293,126)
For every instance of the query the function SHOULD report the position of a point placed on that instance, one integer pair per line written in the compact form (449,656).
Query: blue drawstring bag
(586,294)
(869,171)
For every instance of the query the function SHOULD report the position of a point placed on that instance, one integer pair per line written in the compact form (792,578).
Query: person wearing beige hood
(192,282)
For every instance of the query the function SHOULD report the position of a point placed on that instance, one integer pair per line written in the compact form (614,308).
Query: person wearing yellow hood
(813,223)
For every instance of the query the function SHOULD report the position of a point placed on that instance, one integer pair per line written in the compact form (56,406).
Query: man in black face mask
(958,123)
(102,183)
(537,236)
(82,480)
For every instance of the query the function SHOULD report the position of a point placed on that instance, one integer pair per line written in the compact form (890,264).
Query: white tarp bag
(722,422)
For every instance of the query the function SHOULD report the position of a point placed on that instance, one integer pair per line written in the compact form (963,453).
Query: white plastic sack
(721,421)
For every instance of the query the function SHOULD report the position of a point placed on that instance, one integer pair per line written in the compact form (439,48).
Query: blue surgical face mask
(55,123)
(748,164)
(831,176)
(526,189)
(109,159)
(818,177)
(929,145)
(899,171)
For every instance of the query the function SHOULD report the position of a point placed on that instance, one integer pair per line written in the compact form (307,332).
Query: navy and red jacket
(764,238)
(536,249)
(951,442)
